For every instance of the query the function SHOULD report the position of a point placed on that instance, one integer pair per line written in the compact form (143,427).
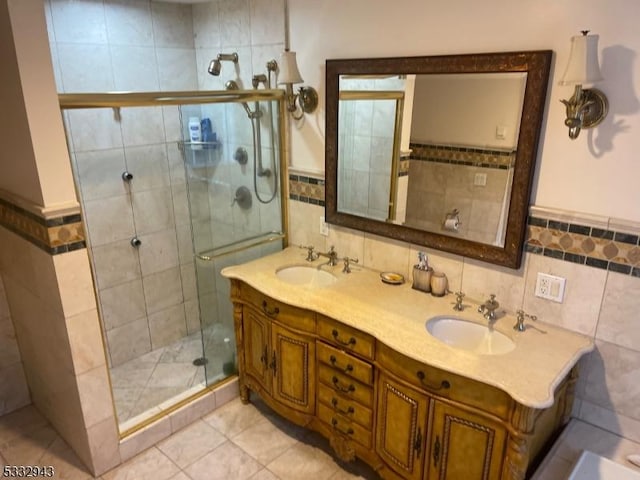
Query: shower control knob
(136,242)
(126,176)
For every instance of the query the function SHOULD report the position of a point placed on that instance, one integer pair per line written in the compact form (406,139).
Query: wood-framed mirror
(438,151)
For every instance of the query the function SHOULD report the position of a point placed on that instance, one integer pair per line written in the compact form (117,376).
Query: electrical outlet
(480,180)
(550,287)
(324,227)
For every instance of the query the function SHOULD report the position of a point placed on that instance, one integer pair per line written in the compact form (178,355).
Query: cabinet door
(256,346)
(400,432)
(293,367)
(465,446)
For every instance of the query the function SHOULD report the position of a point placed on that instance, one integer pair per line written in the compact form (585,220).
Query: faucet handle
(347,262)
(520,317)
(311,255)
(458,306)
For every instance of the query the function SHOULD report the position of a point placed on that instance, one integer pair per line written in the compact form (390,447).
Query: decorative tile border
(571,241)
(477,157)
(306,189)
(53,235)
(583,244)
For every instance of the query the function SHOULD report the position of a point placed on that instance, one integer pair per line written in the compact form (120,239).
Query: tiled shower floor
(143,383)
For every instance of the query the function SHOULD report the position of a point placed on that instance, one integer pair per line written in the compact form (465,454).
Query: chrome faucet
(488,308)
(332,255)
(311,254)
(520,317)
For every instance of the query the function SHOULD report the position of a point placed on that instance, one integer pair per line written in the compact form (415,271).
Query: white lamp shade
(583,66)
(289,72)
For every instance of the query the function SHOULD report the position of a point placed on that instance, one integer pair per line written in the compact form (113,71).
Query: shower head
(233,85)
(216,64)
(214,67)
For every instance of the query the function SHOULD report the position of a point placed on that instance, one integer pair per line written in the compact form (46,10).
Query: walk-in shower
(164,213)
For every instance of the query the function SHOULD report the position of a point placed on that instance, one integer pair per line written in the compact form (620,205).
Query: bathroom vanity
(350,357)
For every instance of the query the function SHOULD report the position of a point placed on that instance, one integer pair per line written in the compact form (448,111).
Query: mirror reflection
(432,152)
(438,151)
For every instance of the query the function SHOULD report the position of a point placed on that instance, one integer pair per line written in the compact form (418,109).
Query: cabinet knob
(270,312)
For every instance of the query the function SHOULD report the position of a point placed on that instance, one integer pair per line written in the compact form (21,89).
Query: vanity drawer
(345,426)
(445,384)
(346,386)
(345,363)
(348,408)
(344,337)
(294,317)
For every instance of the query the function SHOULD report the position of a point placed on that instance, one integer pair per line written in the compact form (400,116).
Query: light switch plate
(324,227)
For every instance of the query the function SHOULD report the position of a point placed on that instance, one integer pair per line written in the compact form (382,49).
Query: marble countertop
(396,315)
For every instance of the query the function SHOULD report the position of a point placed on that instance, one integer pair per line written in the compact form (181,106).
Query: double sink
(455,332)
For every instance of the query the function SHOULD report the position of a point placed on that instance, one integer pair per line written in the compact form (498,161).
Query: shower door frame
(75,101)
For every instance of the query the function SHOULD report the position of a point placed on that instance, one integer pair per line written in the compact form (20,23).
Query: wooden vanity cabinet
(275,349)
(406,419)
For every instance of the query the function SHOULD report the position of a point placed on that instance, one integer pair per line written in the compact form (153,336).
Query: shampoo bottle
(195,133)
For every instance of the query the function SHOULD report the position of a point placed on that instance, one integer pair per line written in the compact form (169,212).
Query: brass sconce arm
(305,101)
(585,109)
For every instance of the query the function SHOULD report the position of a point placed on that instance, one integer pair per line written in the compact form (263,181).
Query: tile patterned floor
(238,442)
(155,377)
(235,442)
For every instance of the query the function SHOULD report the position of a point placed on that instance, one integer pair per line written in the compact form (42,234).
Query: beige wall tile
(143,439)
(479,280)
(618,321)
(385,254)
(104,445)
(85,340)
(582,296)
(95,396)
(611,421)
(613,379)
(14,392)
(75,282)
(304,224)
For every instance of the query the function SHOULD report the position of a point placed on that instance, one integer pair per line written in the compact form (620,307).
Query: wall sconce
(307,98)
(587,107)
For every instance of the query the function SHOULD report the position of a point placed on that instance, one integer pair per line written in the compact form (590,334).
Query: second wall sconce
(587,107)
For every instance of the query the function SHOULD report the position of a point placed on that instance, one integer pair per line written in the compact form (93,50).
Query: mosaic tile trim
(54,235)
(476,157)
(592,246)
(306,189)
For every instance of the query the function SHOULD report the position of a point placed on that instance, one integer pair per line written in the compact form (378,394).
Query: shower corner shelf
(204,146)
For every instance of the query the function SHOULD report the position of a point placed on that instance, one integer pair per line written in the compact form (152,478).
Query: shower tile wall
(14,392)
(147,295)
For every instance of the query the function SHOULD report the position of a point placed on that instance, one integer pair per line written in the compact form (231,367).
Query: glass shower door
(233,174)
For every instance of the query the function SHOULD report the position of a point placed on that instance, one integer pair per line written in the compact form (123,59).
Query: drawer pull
(334,423)
(334,360)
(436,451)
(273,364)
(348,411)
(422,377)
(337,386)
(264,358)
(271,313)
(350,343)
(417,444)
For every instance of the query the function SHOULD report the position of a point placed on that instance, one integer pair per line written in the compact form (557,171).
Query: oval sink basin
(305,275)
(469,336)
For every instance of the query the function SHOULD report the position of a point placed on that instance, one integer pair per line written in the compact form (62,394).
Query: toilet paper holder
(452,221)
